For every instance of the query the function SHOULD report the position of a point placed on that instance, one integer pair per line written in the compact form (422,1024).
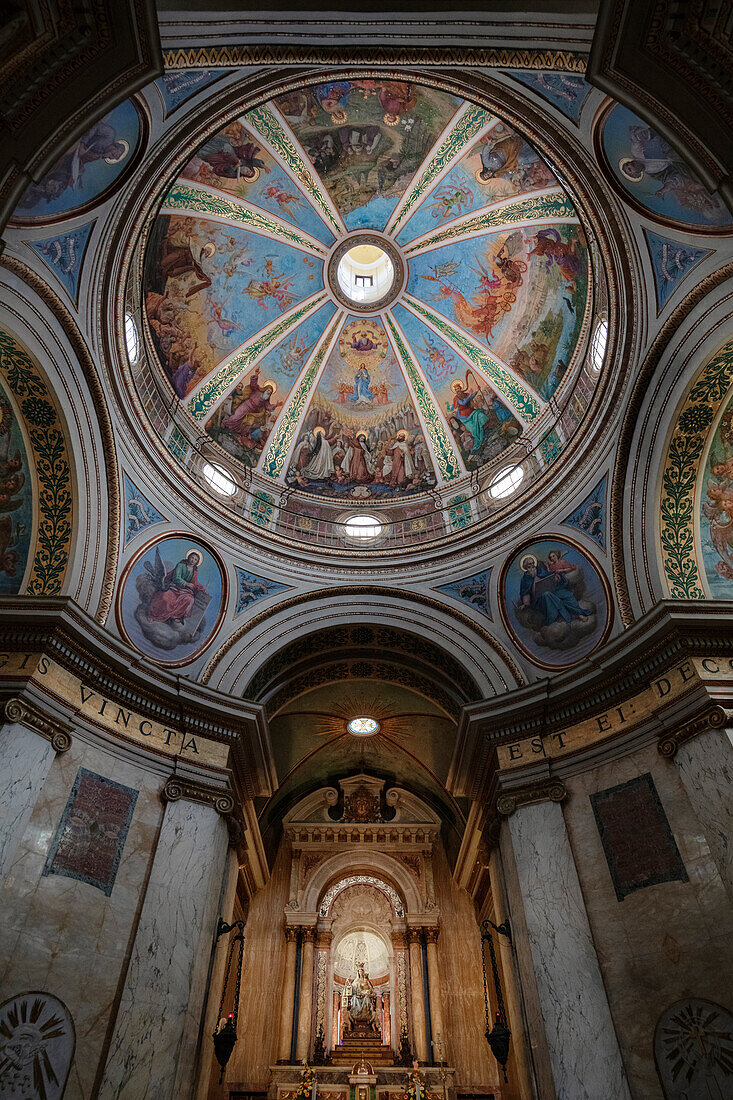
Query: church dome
(368,295)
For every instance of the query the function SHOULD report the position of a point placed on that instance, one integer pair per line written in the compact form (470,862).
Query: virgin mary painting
(173,608)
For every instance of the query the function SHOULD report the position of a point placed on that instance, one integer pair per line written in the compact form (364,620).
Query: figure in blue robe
(361,386)
(552,603)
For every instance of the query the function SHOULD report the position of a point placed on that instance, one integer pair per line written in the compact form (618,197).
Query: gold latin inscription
(54,679)
(677,681)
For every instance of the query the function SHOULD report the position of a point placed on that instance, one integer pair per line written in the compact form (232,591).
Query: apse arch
(486,662)
(374,864)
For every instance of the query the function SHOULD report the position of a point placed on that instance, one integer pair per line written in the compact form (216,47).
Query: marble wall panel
(64,936)
(25,758)
(539,1053)
(663,942)
(155,1043)
(586,1061)
(706,767)
(459,951)
(263,976)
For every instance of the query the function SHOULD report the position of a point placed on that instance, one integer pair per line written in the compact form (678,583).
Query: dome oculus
(360,320)
(363,726)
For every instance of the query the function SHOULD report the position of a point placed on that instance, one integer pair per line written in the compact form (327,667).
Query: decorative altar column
(154,1044)
(27,749)
(306,994)
(436,1001)
(705,765)
(288,995)
(584,1052)
(414,936)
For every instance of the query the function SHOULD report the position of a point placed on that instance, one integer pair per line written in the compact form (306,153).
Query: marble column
(286,1013)
(155,1040)
(436,1001)
(584,1052)
(25,760)
(306,994)
(418,1000)
(706,767)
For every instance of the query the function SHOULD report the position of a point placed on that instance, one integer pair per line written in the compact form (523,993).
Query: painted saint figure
(361,391)
(546,590)
(174,600)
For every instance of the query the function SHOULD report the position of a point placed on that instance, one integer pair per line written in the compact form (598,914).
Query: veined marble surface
(25,758)
(584,1051)
(153,1049)
(706,767)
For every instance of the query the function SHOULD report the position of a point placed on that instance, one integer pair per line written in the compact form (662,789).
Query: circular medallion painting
(171,599)
(653,175)
(555,602)
(368,289)
(87,172)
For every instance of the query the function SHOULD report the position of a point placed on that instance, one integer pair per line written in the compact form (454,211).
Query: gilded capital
(414,935)
(431,934)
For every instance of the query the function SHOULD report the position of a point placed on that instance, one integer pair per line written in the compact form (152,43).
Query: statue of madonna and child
(360,999)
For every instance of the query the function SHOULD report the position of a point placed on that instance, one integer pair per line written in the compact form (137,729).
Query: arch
(357,879)
(344,864)
(246,651)
(692,333)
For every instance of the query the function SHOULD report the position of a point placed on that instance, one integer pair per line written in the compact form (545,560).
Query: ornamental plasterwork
(354,880)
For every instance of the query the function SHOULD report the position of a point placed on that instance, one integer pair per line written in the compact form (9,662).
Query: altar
(332,1082)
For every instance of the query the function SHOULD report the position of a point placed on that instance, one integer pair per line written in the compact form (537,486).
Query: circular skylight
(598,345)
(219,479)
(363,726)
(506,482)
(365,273)
(363,527)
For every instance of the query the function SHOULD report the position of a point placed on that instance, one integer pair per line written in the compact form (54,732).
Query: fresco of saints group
(171,599)
(555,602)
(361,436)
(16,500)
(716,518)
(366,139)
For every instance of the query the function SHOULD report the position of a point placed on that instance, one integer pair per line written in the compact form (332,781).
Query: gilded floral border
(53,487)
(681,470)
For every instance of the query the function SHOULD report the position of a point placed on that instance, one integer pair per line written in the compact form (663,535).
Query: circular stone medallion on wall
(171,599)
(555,601)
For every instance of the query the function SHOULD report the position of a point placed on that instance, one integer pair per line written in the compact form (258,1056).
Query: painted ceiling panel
(366,139)
(289,369)
(500,165)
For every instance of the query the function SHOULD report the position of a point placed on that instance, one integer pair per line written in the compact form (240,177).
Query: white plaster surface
(25,758)
(706,767)
(584,1052)
(153,1049)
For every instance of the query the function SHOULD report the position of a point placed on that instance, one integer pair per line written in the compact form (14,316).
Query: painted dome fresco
(370,292)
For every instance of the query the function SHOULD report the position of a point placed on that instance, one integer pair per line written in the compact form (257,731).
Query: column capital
(309,934)
(714,717)
(220,798)
(291,933)
(548,790)
(414,935)
(432,933)
(28,714)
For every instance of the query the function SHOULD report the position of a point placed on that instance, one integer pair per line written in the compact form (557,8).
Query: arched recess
(374,864)
(690,339)
(43,338)
(485,661)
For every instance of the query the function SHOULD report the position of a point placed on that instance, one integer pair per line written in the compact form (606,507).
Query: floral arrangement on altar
(307,1088)
(416,1089)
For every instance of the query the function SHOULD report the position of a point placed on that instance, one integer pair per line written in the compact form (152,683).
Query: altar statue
(363,999)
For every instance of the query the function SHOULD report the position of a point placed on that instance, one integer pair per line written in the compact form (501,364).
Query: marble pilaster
(25,758)
(286,1015)
(418,1000)
(706,767)
(154,1044)
(306,994)
(584,1052)
(436,1000)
